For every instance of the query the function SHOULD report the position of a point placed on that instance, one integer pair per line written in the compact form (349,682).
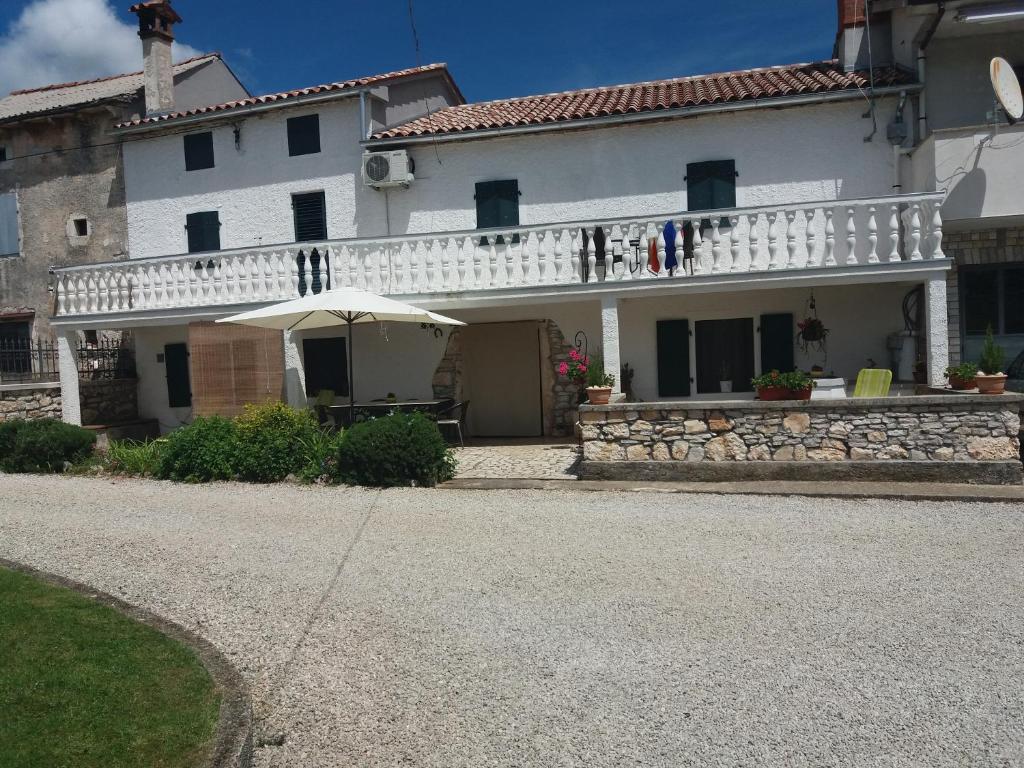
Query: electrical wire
(419,63)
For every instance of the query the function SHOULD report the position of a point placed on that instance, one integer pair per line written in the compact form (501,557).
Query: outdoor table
(382,407)
(829,389)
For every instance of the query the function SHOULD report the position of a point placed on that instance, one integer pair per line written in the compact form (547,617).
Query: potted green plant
(991,379)
(769,386)
(599,383)
(798,385)
(963,376)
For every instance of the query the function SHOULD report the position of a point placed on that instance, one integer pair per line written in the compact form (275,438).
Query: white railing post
(809,237)
(698,247)
(791,239)
(872,236)
(937,231)
(894,232)
(851,237)
(830,239)
(753,237)
(773,240)
(734,244)
(576,275)
(915,232)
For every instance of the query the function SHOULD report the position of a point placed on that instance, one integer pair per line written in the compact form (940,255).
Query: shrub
(797,381)
(400,449)
(274,441)
(992,355)
(204,450)
(320,456)
(964,371)
(129,457)
(43,445)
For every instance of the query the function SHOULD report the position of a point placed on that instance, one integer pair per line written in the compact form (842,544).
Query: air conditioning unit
(387,169)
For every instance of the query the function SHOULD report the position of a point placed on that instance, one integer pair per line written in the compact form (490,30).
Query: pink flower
(582,369)
(573,354)
(563,369)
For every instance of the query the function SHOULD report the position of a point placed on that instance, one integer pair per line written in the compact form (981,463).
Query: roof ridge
(382,76)
(77,83)
(641,83)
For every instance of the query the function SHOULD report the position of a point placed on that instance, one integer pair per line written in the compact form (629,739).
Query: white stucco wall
(782,155)
(149,342)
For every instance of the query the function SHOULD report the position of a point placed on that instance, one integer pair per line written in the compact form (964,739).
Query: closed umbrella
(337,307)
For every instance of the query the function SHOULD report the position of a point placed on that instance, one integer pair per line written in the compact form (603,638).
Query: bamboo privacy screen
(232,365)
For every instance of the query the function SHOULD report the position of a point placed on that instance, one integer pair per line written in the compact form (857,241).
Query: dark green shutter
(203,231)
(303,135)
(777,343)
(673,358)
(179,388)
(711,185)
(497,205)
(310,211)
(198,151)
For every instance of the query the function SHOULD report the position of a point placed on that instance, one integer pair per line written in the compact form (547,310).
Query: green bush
(272,442)
(42,445)
(129,457)
(204,450)
(400,449)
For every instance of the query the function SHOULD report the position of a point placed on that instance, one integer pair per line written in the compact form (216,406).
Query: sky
(494,50)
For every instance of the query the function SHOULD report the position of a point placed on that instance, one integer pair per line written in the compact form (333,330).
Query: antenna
(1007,89)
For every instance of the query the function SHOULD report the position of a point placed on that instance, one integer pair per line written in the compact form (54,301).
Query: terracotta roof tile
(270,98)
(722,88)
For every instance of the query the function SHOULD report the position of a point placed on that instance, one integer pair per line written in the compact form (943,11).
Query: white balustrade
(802,236)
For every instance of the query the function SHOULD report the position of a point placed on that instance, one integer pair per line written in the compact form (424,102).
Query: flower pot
(799,394)
(955,382)
(599,395)
(725,386)
(772,393)
(993,384)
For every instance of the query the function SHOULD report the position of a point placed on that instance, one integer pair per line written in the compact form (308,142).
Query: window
(709,186)
(303,135)
(310,212)
(81,227)
(203,230)
(3,154)
(992,296)
(497,205)
(725,353)
(15,347)
(326,366)
(199,151)
(9,224)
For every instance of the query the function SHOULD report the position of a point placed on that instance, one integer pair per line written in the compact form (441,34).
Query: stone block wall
(108,401)
(40,402)
(933,429)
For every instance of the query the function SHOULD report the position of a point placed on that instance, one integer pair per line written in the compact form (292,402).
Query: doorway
(502,379)
(725,353)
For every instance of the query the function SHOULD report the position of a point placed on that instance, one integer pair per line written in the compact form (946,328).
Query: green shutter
(179,388)
(303,135)
(497,205)
(310,212)
(673,341)
(198,151)
(203,231)
(777,342)
(711,185)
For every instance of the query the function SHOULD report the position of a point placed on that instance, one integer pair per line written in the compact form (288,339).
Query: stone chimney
(852,46)
(156,28)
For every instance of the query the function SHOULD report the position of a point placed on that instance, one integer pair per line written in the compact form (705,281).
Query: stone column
(610,339)
(936,337)
(67,365)
(294,370)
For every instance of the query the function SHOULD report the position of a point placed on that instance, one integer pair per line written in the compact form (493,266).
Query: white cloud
(56,41)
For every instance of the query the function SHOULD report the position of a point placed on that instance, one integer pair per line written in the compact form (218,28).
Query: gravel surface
(539,628)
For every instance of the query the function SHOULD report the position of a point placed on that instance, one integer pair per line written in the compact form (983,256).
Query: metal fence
(24,361)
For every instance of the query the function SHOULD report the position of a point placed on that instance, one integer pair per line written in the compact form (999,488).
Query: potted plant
(798,385)
(769,386)
(725,380)
(963,376)
(991,379)
(599,384)
(575,369)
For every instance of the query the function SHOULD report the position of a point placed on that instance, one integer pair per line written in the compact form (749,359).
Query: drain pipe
(922,117)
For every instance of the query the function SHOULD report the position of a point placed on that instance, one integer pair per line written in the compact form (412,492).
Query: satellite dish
(1007,88)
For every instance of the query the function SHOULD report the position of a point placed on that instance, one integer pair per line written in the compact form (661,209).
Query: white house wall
(782,156)
(149,342)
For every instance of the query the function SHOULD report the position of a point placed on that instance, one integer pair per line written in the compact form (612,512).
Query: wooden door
(502,379)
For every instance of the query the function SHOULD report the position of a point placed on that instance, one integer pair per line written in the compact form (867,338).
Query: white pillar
(610,339)
(67,365)
(294,370)
(937,330)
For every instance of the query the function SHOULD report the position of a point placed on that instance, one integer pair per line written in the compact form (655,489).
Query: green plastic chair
(873,382)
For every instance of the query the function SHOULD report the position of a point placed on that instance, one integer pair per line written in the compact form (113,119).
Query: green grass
(82,685)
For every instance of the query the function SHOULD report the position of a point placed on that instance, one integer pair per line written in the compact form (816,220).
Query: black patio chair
(454,416)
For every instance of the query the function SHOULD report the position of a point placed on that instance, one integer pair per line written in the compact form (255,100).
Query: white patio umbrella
(339,306)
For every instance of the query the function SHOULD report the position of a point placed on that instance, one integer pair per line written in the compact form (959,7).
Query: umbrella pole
(351,380)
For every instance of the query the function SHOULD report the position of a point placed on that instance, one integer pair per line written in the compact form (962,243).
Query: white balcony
(742,243)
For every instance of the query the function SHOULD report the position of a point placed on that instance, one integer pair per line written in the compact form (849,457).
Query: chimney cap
(156,18)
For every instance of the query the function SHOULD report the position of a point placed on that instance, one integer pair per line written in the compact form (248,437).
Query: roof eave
(637,117)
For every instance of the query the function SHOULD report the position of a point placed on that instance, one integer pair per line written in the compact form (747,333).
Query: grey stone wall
(989,246)
(936,429)
(108,401)
(34,403)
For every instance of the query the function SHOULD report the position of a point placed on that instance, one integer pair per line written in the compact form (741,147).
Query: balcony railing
(827,235)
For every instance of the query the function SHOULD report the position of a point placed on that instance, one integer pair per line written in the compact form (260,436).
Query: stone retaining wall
(34,402)
(703,440)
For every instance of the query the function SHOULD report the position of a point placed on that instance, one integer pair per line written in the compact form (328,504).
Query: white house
(683,227)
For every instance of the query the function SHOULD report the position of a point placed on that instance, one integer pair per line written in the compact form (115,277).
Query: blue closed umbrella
(670,246)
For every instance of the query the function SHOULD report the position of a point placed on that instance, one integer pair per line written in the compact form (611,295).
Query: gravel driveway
(531,628)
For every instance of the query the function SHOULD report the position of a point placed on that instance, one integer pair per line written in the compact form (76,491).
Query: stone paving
(532,461)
